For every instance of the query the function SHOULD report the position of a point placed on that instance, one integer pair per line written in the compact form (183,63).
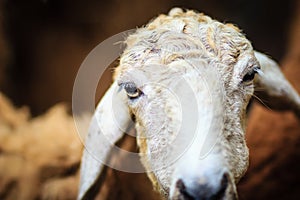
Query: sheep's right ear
(273,88)
(109,121)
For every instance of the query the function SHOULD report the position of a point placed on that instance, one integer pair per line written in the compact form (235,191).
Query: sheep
(185,80)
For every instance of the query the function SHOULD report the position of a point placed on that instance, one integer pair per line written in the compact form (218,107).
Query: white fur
(190,120)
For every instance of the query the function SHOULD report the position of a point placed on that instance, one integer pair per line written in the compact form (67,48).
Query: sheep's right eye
(250,75)
(131,90)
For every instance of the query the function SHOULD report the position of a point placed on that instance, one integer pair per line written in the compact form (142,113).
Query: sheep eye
(251,74)
(131,90)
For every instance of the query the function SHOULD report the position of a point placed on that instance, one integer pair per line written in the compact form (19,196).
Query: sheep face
(188,82)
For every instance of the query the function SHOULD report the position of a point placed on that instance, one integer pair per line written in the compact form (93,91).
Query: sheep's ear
(109,121)
(273,88)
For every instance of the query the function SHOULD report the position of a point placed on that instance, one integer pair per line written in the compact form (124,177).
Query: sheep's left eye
(131,90)
(251,74)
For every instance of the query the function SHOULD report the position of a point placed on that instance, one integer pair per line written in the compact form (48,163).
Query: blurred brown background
(42,45)
(43,42)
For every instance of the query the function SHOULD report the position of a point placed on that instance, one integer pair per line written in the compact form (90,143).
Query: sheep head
(186,80)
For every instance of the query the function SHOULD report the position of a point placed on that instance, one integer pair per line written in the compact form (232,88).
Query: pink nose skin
(203,191)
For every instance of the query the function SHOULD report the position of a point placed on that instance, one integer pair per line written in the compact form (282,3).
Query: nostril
(224,180)
(182,190)
(222,188)
(180,185)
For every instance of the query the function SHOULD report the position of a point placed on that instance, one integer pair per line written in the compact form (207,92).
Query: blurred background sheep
(43,43)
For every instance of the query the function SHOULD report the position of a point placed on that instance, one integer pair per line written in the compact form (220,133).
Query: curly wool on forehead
(184,35)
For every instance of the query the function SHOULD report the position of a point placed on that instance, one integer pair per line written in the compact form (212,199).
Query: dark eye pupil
(132,91)
(249,76)
(130,88)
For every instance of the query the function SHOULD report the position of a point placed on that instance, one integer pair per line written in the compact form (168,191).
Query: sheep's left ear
(109,121)
(273,88)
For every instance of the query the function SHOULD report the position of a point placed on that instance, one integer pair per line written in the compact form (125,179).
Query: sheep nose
(203,191)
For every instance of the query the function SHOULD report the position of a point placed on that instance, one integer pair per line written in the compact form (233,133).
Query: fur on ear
(109,121)
(273,88)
